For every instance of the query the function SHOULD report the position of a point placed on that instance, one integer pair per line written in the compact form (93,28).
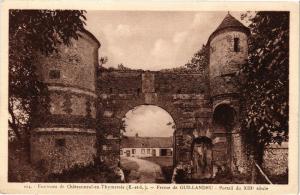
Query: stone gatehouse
(87,106)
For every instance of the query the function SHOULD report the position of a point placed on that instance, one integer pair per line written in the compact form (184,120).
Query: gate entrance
(184,96)
(147,131)
(223,122)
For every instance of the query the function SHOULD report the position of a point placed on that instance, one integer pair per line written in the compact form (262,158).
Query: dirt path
(149,172)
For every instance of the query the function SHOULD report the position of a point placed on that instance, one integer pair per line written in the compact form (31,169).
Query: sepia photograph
(148,96)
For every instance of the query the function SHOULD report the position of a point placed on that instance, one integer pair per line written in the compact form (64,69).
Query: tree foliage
(197,64)
(266,85)
(31,31)
(199,61)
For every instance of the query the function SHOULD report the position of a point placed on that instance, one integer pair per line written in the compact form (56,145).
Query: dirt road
(149,172)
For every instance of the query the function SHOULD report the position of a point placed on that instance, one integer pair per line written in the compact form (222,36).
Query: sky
(149,121)
(152,40)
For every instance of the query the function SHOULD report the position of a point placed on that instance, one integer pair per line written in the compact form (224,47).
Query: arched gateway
(86,107)
(183,96)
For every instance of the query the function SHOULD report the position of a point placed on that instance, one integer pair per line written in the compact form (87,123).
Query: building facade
(146,147)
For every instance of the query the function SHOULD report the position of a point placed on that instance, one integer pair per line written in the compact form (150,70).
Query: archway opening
(223,122)
(224,117)
(147,145)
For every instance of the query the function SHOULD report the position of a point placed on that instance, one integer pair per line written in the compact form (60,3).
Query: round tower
(65,129)
(228,51)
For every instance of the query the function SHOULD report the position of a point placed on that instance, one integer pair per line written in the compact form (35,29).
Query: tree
(123,127)
(199,61)
(265,87)
(33,31)
(103,60)
(123,67)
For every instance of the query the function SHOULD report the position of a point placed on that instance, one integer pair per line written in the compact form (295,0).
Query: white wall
(142,152)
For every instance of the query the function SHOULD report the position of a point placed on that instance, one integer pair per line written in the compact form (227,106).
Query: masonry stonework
(65,131)
(85,101)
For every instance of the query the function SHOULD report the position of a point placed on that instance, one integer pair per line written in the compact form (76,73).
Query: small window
(54,74)
(133,151)
(143,151)
(60,142)
(236,44)
(148,151)
(138,91)
(121,152)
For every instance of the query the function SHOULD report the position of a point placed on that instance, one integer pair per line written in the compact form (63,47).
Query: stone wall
(224,62)
(74,65)
(180,95)
(130,82)
(223,59)
(276,159)
(57,151)
(181,83)
(65,130)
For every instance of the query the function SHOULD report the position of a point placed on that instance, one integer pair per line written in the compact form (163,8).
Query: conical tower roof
(229,22)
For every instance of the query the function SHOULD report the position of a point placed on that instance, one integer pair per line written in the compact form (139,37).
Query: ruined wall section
(183,96)
(181,83)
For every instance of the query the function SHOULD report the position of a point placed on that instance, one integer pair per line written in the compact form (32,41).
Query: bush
(95,172)
(19,167)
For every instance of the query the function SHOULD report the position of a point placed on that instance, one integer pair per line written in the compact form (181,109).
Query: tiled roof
(147,142)
(229,22)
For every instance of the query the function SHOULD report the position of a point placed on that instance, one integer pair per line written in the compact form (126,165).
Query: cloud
(123,30)
(115,50)
(161,48)
(179,37)
(204,20)
(152,40)
(119,31)
(149,121)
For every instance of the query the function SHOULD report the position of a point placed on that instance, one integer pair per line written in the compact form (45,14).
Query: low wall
(276,159)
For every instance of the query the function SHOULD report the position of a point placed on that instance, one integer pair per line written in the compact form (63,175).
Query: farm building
(146,146)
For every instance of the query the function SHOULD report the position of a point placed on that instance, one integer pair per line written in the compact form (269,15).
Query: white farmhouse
(146,146)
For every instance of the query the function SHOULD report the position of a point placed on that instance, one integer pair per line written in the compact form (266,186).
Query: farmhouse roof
(147,142)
